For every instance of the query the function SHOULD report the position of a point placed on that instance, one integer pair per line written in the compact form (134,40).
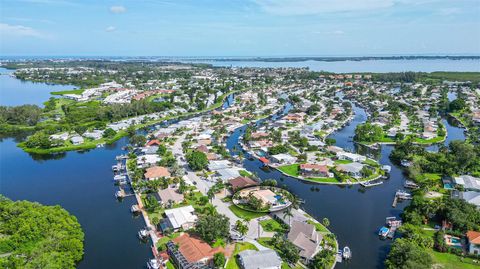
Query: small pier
(401,195)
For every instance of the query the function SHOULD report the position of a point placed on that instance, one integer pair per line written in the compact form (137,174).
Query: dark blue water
(82,184)
(376,66)
(14,92)
(355,213)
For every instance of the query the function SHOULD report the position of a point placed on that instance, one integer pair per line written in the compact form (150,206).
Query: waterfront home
(151,150)
(242,182)
(313,170)
(306,238)
(258,135)
(76,140)
(471,197)
(352,169)
(351,157)
(473,241)
(283,158)
(195,250)
(62,136)
(263,259)
(170,196)
(156,172)
(95,134)
(148,160)
(180,218)
(468,182)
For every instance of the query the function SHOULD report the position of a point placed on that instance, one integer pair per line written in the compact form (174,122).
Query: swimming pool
(280,199)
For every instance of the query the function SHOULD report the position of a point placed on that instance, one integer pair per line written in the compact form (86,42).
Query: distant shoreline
(244,58)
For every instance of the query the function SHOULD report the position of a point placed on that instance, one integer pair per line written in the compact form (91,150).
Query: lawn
(452,261)
(244,214)
(271,225)
(164,240)
(319,227)
(291,169)
(170,265)
(239,247)
(343,162)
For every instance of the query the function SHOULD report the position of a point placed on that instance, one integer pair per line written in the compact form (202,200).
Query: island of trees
(37,236)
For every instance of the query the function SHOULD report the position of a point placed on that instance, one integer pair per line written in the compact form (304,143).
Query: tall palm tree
(288,213)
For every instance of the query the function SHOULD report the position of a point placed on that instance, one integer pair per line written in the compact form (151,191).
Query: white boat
(134,209)
(153,264)
(346,254)
(386,168)
(405,163)
(142,234)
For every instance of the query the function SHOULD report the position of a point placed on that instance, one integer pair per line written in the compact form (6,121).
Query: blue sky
(239,28)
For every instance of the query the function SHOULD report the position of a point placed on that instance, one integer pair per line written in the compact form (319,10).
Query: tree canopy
(38,236)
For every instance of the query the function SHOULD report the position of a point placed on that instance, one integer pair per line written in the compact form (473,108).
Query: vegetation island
(38,236)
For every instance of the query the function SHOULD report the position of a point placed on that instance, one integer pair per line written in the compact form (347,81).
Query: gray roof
(251,259)
(351,167)
(305,237)
(468,182)
(471,197)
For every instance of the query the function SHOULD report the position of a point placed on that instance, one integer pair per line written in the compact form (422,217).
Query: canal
(355,213)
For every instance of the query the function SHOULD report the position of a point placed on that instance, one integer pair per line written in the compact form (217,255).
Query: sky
(239,28)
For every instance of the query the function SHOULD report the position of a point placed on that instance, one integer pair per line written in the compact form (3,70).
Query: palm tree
(210,195)
(288,213)
(326,222)
(210,210)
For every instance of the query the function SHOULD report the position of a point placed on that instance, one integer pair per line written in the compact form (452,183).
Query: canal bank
(355,212)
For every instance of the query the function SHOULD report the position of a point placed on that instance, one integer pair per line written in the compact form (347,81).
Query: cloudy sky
(239,28)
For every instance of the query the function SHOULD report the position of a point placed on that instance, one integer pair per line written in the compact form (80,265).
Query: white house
(181,217)
(283,158)
(76,140)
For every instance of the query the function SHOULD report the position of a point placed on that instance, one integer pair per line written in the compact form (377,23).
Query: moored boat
(383,232)
(153,264)
(347,253)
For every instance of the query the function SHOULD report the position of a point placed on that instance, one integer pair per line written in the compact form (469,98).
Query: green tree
(405,254)
(212,227)
(39,140)
(219,260)
(109,133)
(197,160)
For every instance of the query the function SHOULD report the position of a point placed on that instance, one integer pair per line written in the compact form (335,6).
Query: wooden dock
(395,201)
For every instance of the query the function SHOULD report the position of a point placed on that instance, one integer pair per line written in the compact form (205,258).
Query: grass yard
(291,169)
(452,261)
(164,240)
(170,265)
(319,227)
(239,247)
(244,214)
(343,162)
(271,225)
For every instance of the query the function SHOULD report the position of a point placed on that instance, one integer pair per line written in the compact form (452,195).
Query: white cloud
(19,31)
(118,9)
(310,7)
(110,28)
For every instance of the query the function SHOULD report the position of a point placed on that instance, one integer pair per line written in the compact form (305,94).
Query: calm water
(377,66)
(14,92)
(355,213)
(82,183)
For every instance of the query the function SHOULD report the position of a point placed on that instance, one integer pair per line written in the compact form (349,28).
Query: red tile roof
(153,142)
(473,237)
(317,167)
(264,160)
(157,172)
(194,249)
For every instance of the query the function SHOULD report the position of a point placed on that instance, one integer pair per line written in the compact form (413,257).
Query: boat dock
(399,196)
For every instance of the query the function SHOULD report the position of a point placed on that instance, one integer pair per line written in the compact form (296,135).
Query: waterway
(355,213)
(81,182)
(377,66)
(14,92)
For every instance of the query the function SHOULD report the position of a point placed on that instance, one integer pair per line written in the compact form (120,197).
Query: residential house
(468,182)
(473,241)
(263,259)
(283,158)
(156,172)
(76,140)
(170,196)
(306,238)
(352,169)
(242,182)
(351,156)
(194,252)
(180,218)
(148,160)
(313,170)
